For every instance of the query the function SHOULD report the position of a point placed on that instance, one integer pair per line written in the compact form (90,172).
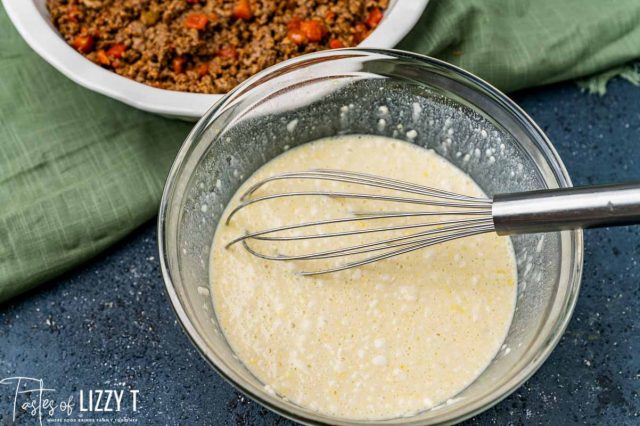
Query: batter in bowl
(384,340)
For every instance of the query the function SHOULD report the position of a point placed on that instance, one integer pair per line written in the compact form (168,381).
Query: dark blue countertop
(108,324)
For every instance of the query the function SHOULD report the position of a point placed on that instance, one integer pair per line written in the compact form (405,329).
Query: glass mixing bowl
(396,94)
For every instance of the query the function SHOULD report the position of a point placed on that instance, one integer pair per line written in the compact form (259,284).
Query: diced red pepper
(242,9)
(83,43)
(202,69)
(197,21)
(294,23)
(335,43)
(297,37)
(314,30)
(117,50)
(374,18)
(102,57)
(228,52)
(178,64)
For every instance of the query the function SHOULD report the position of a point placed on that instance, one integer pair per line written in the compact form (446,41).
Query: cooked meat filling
(208,46)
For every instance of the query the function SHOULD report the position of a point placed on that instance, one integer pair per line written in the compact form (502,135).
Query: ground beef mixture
(208,46)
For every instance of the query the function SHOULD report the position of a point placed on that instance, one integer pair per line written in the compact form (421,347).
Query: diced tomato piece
(228,52)
(294,23)
(83,43)
(102,57)
(178,64)
(374,18)
(197,21)
(202,69)
(297,37)
(335,43)
(117,50)
(242,9)
(314,30)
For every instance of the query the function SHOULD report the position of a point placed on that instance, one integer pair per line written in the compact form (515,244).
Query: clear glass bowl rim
(288,410)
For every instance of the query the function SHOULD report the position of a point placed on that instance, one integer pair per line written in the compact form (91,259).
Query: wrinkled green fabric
(597,84)
(78,171)
(522,43)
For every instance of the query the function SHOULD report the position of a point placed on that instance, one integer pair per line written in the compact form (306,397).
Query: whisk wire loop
(469,216)
(378,245)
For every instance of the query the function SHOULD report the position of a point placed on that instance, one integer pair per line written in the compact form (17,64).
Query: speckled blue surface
(108,325)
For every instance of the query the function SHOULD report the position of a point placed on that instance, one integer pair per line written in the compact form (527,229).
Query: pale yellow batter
(387,339)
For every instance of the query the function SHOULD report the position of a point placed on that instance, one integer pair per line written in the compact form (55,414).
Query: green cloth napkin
(523,43)
(78,171)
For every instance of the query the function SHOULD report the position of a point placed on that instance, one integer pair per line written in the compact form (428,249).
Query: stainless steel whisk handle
(566,208)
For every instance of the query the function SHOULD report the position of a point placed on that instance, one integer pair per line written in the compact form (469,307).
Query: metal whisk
(456,216)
